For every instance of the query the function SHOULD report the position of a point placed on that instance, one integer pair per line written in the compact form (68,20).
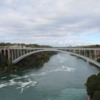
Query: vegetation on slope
(36,60)
(93,87)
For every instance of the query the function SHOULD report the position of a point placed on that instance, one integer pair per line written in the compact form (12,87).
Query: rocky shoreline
(89,98)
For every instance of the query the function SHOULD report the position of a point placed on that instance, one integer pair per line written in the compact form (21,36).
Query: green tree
(96,95)
(91,85)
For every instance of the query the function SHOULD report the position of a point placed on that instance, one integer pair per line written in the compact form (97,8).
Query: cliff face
(34,61)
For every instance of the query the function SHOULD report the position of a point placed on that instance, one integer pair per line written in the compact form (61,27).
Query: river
(61,78)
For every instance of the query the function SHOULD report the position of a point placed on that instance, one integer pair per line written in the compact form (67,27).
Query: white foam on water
(63,68)
(42,74)
(19,83)
(9,83)
(25,85)
(17,78)
(2,85)
(25,82)
(12,82)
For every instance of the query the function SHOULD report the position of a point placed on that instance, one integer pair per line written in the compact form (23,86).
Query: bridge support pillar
(95,54)
(4,52)
(8,51)
(0,51)
(12,55)
(18,53)
(27,51)
(21,53)
(79,52)
(90,54)
(84,52)
(15,54)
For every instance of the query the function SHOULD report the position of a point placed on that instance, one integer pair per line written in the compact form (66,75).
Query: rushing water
(61,78)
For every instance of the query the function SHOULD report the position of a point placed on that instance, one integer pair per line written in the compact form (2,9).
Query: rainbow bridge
(15,54)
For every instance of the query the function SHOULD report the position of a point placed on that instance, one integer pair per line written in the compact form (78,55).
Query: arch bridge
(15,54)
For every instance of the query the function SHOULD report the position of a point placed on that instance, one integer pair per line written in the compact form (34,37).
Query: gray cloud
(24,21)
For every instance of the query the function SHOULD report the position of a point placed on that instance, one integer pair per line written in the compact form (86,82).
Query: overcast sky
(50,22)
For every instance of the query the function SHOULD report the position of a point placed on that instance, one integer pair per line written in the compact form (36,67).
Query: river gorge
(63,77)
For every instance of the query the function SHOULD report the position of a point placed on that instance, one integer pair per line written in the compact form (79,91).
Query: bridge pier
(3,52)
(84,53)
(8,56)
(11,55)
(18,53)
(90,55)
(95,54)
(79,52)
(22,52)
(14,54)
